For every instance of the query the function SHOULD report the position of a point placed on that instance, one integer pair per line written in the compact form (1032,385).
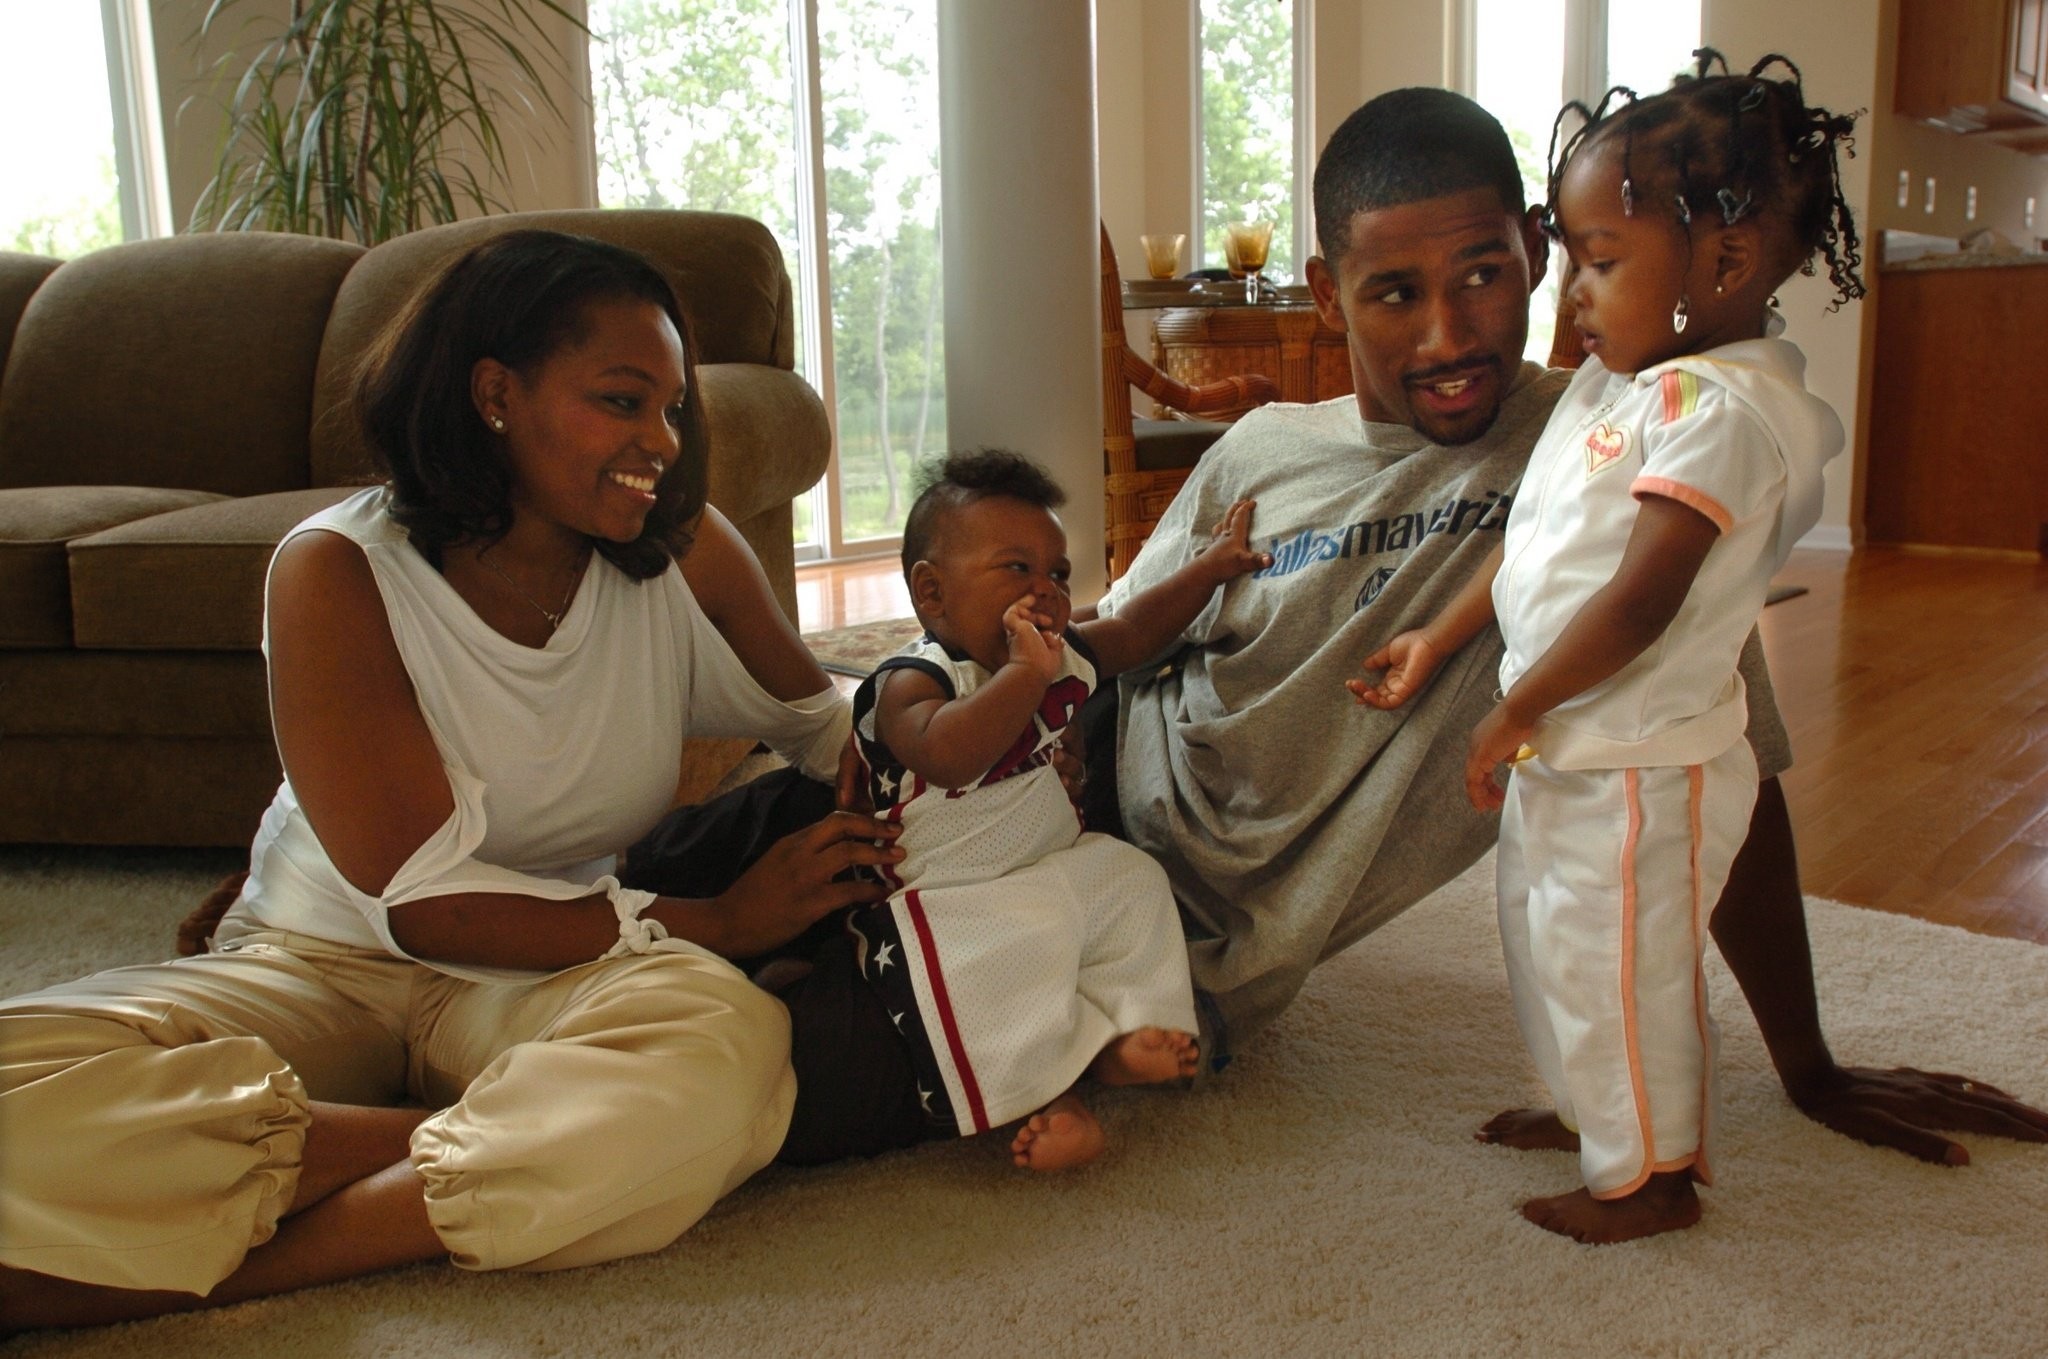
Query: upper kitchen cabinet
(1978,67)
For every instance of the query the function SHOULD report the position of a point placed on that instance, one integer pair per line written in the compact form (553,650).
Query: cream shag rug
(1324,1196)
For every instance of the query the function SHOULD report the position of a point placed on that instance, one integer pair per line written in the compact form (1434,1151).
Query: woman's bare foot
(1062,1135)
(1147,1057)
(1529,1130)
(1666,1203)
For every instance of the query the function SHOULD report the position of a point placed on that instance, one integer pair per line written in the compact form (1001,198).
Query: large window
(83,170)
(1248,136)
(820,118)
(1532,56)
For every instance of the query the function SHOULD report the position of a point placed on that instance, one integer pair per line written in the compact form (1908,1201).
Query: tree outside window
(697,103)
(1247,103)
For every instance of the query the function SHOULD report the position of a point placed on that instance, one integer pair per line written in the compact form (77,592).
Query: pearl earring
(498,423)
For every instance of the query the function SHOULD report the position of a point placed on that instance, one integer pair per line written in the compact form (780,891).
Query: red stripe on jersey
(937,980)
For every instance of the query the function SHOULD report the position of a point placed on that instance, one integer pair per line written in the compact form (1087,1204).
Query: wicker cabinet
(1288,344)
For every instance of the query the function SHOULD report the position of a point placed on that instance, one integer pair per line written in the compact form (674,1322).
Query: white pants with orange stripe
(1607,878)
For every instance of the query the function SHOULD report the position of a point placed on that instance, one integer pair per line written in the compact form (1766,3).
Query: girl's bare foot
(1529,1130)
(1666,1203)
(1146,1057)
(1060,1136)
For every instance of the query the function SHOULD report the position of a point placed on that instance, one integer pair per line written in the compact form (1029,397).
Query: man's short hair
(1403,147)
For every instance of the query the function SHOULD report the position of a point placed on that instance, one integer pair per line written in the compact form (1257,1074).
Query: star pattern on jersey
(888,786)
(882,958)
(924,1097)
(896,1018)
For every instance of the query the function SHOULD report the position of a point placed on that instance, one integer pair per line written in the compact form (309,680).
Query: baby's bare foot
(1147,1057)
(1062,1135)
(1666,1203)
(1529,1130)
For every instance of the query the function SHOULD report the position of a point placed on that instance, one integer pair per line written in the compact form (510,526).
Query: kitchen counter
(1964,259)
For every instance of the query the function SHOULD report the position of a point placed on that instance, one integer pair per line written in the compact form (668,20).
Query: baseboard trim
(1827,538)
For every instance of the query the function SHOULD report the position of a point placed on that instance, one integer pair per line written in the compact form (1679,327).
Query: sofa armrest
(770,439)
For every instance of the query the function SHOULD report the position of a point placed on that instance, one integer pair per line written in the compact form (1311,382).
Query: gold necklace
(554,617)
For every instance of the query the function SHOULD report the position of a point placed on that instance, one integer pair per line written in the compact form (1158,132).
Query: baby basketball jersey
(1013,946)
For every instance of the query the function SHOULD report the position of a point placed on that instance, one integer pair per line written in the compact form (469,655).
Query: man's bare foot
(1529,1130)
(1060,1136)
(1666,1203)
(1146,1057)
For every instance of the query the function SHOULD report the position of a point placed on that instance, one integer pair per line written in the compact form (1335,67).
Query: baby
(1017,953)
(1677,471)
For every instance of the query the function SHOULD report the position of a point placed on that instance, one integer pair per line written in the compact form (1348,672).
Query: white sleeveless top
(558,757)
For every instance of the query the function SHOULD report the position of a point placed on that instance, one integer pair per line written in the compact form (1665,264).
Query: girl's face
(591,429)
(1630,271)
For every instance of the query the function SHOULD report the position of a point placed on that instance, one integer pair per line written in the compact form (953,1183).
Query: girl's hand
(1495,742)
(1229,554)
(1409,660)
(797,882)
(1033,643)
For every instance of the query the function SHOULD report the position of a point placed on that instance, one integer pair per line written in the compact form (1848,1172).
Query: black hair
(1734,145)
(519,298)
(964,476)
(1403,147)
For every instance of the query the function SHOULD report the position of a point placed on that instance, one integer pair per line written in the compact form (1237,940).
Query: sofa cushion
(186,361)
(217,695)
(726,270)
(20,276)
(35,524)
(191,580)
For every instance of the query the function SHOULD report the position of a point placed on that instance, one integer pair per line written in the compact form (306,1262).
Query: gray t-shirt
(1291,820)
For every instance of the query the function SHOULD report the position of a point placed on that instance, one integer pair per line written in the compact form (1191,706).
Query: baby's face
(986,556)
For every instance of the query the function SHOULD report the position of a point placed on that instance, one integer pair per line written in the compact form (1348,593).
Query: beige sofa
(169,408)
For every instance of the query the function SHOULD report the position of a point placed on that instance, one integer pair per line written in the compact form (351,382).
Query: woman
(481,676)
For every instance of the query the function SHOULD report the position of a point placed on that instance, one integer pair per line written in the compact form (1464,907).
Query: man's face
(1434,299)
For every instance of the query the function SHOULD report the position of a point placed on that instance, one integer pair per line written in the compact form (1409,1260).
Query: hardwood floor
(1916,691)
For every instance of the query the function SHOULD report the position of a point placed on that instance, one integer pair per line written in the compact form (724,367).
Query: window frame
(1303,138)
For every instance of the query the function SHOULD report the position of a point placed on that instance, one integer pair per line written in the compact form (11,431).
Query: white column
(1017,166)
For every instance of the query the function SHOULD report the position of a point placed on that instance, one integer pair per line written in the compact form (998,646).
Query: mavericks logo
(1374,583)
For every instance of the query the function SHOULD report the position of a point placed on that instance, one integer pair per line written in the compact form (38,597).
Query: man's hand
(1496,741)
(1230,554)
(1908,1110)
(1408,662)
(1033,643)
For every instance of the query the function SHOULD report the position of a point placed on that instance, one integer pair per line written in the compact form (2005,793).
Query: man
(1293,823)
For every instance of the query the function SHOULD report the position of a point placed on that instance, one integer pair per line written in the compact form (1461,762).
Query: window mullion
(814,268)
(1585,51)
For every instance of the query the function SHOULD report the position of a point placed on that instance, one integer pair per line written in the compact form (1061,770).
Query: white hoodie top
(1732,433)
(558,756)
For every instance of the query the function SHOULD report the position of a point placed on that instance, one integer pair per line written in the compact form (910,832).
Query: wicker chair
(1566,347)
(1146,461)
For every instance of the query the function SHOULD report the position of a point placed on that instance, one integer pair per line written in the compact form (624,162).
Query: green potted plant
(366,119)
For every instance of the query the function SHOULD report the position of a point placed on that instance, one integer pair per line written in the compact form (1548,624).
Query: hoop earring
(1678,316)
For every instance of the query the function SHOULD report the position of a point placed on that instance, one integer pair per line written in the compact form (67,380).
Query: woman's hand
(799,882)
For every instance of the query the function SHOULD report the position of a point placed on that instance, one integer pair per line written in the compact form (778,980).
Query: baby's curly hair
(962,477)
(1734,145)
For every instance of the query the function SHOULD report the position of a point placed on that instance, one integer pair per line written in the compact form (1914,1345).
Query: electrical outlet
(1970,204)
(1905,188)
(1928,206)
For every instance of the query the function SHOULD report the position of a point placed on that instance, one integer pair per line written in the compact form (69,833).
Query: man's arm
(1760,927)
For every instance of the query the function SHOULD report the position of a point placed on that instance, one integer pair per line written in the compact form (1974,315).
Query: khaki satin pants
(151,1118)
